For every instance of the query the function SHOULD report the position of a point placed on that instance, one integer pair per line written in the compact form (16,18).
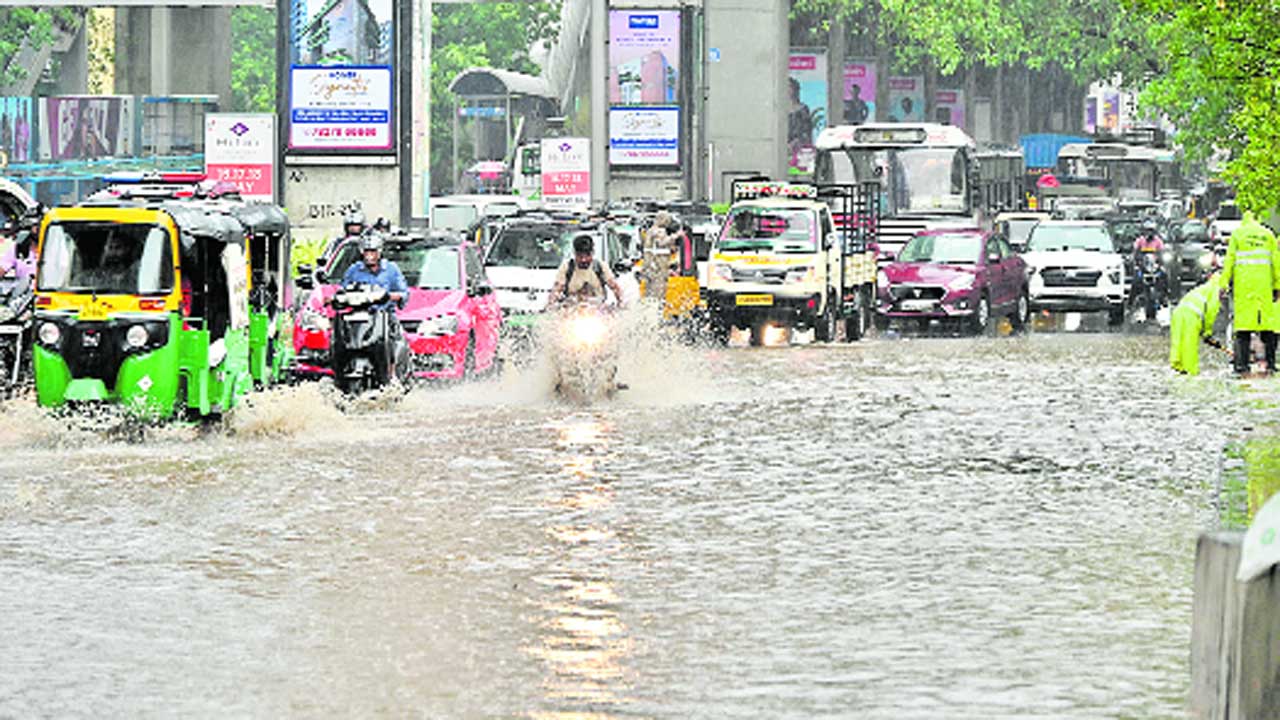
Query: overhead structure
(506,107)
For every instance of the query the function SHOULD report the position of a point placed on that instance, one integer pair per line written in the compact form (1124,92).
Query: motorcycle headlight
(963,282)
(587,330)
(722,271)
(136,336)
(50,334)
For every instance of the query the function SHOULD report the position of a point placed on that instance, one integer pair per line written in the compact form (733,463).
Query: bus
(1134,166)
(928,175)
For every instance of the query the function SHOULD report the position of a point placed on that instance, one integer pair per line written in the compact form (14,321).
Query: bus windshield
(915,180)
(106,258)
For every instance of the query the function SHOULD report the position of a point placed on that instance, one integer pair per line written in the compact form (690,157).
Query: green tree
(464,36)
(253,59)
(1220,85)
(32,27)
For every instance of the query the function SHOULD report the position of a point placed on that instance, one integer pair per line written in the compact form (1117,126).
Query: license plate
(93,312)
(358,317)
(754,300)
(917,305)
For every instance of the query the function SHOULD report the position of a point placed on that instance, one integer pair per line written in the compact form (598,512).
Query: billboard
(85,127)
(17,129)
(566,173)
(341,88)
(807,113)
(1110,119)
(906,98)
(643,136)
(1091,114)
(241,148)
(859,93)
(948,107)
(644,57)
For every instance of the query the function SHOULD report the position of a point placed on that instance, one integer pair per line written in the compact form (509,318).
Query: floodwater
(898,528)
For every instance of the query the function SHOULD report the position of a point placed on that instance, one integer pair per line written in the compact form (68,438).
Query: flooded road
(915,528)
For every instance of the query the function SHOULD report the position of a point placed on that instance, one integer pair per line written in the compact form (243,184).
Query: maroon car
(965,275)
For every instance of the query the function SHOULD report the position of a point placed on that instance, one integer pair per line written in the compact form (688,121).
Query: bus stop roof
(492,83)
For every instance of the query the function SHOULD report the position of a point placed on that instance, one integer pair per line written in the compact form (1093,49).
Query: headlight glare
(136,336)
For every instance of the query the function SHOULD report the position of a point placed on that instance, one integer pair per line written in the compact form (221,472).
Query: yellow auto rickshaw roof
(118,214)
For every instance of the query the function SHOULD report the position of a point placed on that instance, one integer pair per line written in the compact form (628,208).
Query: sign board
(644,57)
(948,107)
(241,148)
(640,136)
(566,173)
(807,111)
(346,108)
(906,98)
(859,92)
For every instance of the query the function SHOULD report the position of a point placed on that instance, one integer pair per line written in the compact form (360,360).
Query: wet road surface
(910,528)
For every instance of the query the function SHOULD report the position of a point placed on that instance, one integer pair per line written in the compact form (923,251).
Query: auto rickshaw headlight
(136,336)
(50,333)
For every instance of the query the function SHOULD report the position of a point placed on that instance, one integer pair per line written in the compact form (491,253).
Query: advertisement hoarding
(1091,114)
(85,127)
(1110,120)
(859,92)
(241,148)
(644,57)
(341,58)
(643,136)
(906,98)
(566,173)
(807,114)
(948,107)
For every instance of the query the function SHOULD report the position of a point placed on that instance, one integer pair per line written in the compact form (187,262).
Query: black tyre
(981,317)
(881,322)
(1115,316)
(757,335)
(825,328)
(856,327)
(1021,316)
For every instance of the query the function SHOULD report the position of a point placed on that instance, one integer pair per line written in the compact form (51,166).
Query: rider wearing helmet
(1148,239)
(371,269)
(353,225)
(583,276)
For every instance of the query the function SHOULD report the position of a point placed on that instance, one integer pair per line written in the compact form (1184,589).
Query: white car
(525,256)
(458,212)
(1073,266)
(1225,222)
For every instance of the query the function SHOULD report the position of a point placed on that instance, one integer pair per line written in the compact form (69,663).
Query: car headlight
(6,313)
(800,274)
(963,282)
(441,325)
(882,279)
(1205,260)
(722,271)
(315,322)
(136,336)
(50,333)
(1166,257)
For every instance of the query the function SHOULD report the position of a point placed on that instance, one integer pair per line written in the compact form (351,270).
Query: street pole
(421,101)
(599,100)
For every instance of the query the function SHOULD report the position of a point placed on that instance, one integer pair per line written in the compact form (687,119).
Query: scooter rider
(584,277)
(371,269)
(1148,239)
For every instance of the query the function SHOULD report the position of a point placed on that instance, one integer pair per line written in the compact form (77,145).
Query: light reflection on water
(914,528)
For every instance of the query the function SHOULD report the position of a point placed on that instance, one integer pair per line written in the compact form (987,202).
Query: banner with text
(644,57)
(906,98)
(859,92)
(807,113)
(566,173)
(948,107)
(643,136)
(241,148)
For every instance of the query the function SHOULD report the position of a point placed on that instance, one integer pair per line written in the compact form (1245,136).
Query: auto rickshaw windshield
(106,258)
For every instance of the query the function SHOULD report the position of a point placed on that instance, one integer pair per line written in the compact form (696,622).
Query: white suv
(1073,266)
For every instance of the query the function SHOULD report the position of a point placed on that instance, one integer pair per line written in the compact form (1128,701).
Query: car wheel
(981,316)
(1115,316)
(856,327)
(881,322)
(757,335)
(825,329)
(469,358)
(1021,312)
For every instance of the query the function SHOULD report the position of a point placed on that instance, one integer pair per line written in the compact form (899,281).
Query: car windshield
(453,217)
(1229,212)
(1020,230)
(540,248)
(423,265)
(106,258)
(1070,237)
(769,228)
(1194,232)
(952,248)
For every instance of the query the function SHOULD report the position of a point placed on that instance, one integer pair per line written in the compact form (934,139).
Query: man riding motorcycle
(392,360)
(583,277)
(1149,244)
(373,270)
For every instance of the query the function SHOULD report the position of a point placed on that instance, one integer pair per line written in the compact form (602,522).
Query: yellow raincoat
(1191,321)
(1252,272)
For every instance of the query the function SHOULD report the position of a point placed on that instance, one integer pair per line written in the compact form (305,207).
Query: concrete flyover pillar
(748,44)
(174,51)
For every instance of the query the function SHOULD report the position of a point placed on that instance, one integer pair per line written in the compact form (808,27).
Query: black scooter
(369,351)
(1150,284)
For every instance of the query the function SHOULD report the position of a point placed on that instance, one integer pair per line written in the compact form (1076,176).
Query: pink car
(451,318)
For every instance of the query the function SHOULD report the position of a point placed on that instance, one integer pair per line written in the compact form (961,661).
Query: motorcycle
(17,299)
(1150,284)
(584,353)
(368,349)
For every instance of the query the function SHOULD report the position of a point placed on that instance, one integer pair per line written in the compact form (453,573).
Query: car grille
(1070,277)
(917,292)
(767,276)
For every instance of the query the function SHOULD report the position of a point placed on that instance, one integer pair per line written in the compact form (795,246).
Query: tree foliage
(464,36)
(253,59)
(33,27)
(1221,87)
